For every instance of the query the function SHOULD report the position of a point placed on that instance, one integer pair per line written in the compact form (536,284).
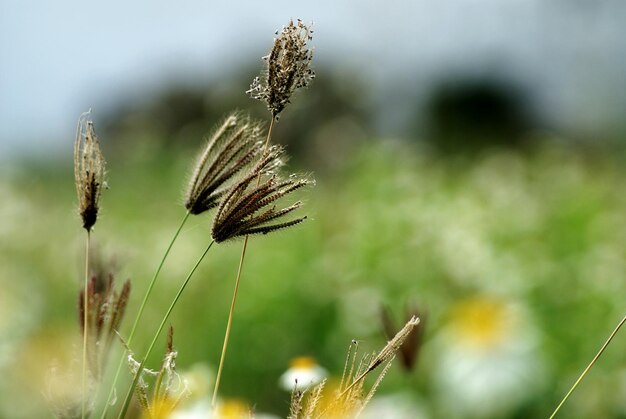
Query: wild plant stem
(140,313)
(269,135)
(239,269)
(129,394)
(230,321)
(85,324)
(591,364)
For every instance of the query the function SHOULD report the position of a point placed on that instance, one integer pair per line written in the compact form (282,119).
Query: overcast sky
(58,58)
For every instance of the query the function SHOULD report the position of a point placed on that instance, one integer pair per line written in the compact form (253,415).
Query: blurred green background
(501,225)
(539,232)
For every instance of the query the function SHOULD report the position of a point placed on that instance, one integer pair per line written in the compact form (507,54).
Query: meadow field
(514,261)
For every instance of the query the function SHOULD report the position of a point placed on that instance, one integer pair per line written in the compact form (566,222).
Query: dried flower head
(89,168)
(230,149)
(244,208)
(288,68)
(169,389)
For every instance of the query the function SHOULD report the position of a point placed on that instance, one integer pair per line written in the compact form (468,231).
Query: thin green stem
(239,269)
(157,387)
(85,325)
(593,361)
(269,135)
(129,394)
(140,313)
(229,323)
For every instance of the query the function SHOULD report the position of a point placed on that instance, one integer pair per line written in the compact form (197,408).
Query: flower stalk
(89,171)
(288,69)
(131,389)
(591,364)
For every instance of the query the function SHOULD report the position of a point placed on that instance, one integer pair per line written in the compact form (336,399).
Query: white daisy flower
(489,360)
(304,371)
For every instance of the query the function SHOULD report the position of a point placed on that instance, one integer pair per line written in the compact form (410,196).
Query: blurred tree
(467,116)
(319,129)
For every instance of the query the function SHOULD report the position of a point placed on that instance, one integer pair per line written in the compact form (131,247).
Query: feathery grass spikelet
(89,171)
(288,68)
(230,149)
(295,406)
(169,389)
(347,374)
(243,208)
(379,379)
(314,399)
(106,310)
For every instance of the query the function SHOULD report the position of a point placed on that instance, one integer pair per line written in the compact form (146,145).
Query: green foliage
(543,231)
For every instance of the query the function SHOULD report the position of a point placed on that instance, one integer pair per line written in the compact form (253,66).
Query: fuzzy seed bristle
(231,148)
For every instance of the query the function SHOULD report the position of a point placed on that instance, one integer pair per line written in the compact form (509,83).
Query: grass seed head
(168,388)
(295,407)
(89,171)
(409,351)
(393,345)
(288,68)
(231,148)
(106,311)
(249,206)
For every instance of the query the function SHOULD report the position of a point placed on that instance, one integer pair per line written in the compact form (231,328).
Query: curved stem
(593,361)
(239,269)
(140,313)
(85,324)
(129,394)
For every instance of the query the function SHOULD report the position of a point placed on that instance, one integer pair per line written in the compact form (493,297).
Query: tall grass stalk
(288,69)
(131,389)
(591,364)
(140,313)
(234,300)
(85,326)
(89,178)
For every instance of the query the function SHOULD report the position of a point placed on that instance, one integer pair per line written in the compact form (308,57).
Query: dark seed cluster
(288,68)
(248,209)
